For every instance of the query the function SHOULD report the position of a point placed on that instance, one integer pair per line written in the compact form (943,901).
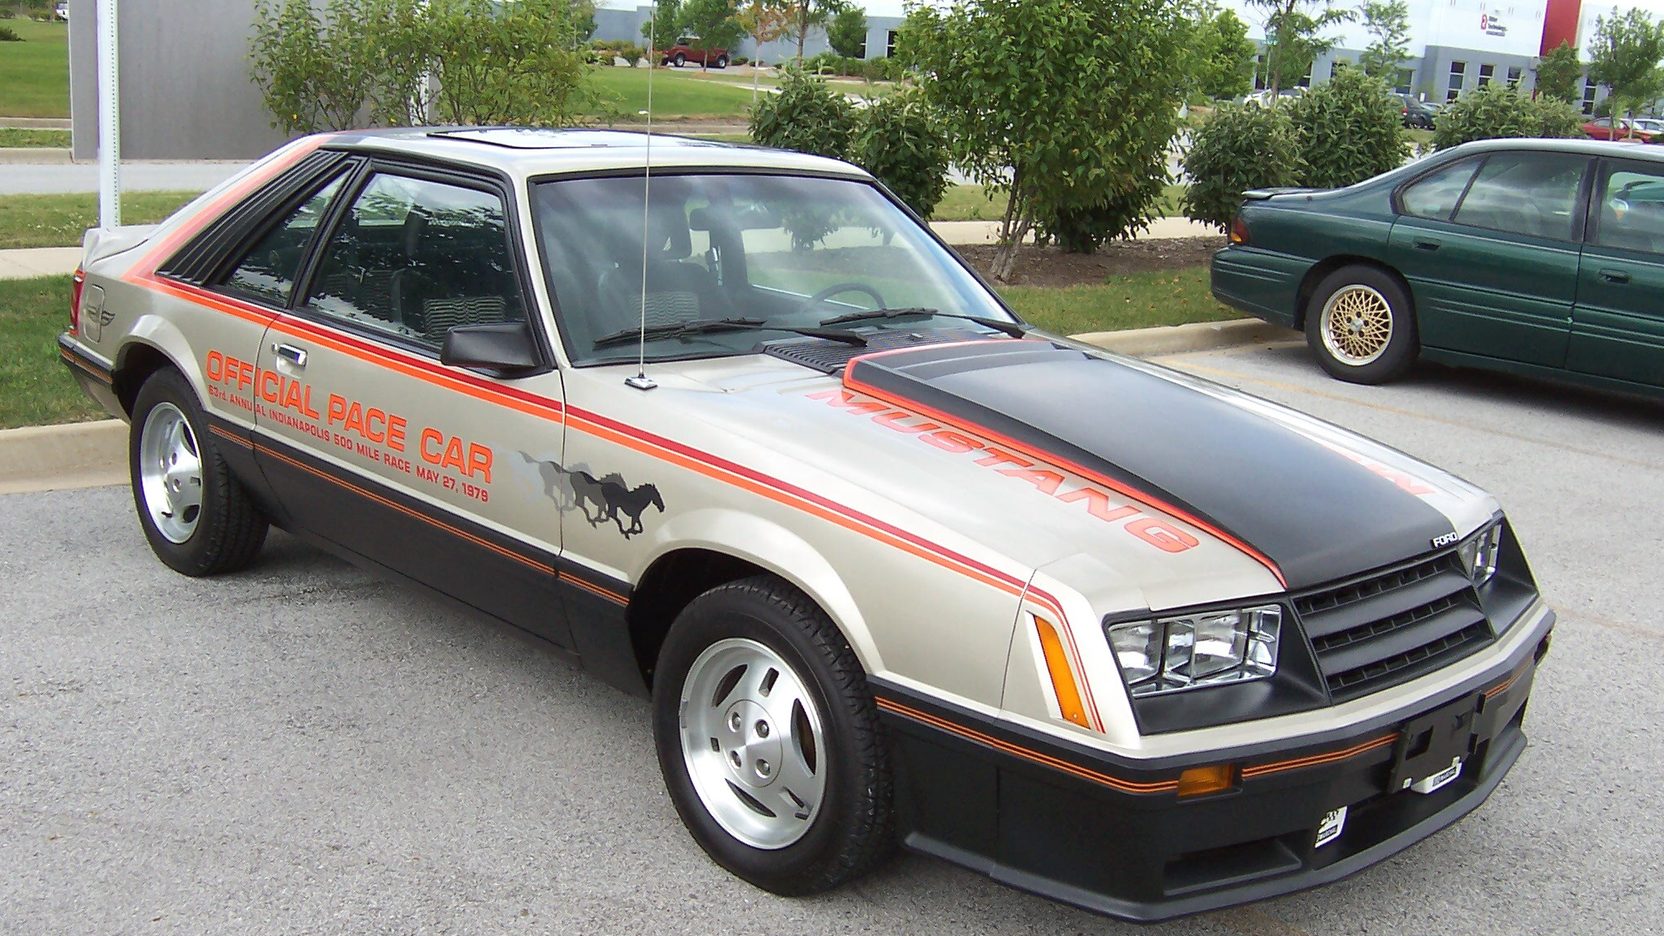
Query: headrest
(415,225)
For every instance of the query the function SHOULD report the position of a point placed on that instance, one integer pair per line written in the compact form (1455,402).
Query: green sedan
(1538,257)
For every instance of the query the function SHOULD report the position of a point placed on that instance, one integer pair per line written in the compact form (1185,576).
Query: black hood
(1311,513)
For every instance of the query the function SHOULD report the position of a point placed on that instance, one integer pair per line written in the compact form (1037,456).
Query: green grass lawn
(59,220)
(973,203)
(35,388)
(1137,300)
(10,137)
(34,73)
(676,96)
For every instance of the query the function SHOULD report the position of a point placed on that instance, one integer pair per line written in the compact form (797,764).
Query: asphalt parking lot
(305,748)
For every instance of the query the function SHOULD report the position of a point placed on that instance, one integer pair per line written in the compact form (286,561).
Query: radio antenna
(641,381)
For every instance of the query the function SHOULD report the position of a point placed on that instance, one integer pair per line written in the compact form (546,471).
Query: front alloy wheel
(769,740)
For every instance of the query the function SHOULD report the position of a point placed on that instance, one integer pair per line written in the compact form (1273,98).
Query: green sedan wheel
(1360,324)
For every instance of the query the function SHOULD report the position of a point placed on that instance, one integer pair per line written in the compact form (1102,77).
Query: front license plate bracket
(1434,746)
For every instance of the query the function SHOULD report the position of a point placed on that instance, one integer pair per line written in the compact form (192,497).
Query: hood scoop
(1307,513)
(829,357)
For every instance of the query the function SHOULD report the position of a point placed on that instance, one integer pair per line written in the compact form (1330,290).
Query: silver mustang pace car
(741,434)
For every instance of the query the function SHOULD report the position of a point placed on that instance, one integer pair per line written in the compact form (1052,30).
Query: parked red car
(1646,131)
(688,50)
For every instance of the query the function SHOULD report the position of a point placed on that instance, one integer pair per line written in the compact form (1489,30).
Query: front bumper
(1113,836)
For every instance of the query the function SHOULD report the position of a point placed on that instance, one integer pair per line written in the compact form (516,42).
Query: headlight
(1196,650)
(1478,553)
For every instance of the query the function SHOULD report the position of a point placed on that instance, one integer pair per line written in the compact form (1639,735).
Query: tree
(1559,73)
(900,140)
(764,21)
(1236,149)
(1624,55)
(583,21)
(1077,133)
(311,69)
(715,22)
(848,32)
(660,30)
(1388,24)
(805,15)
(1348,130)
(1294,36)
(1497,111)
(1224,55)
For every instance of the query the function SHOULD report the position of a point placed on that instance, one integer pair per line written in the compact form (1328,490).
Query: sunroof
(532,138)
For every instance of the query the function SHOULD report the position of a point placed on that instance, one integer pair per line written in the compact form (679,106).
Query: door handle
(1614,276)
(1427,245)
(290,353)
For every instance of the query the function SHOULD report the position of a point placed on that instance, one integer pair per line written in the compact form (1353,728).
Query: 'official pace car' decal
(605,499)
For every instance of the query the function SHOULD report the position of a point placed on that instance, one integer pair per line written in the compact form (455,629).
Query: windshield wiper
(703,326)
(1014,329)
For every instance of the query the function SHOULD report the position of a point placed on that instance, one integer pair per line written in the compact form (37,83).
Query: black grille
(1391,626)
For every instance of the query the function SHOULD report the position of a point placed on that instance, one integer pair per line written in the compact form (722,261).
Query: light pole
(109,117)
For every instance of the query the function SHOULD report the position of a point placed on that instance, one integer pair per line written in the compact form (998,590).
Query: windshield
(778,252)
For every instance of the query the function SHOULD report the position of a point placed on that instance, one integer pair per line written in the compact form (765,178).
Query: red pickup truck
(688,49)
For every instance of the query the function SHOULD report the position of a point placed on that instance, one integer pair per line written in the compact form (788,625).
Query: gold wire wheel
(1356,324)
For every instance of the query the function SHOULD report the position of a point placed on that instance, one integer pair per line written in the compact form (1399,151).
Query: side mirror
(504,346)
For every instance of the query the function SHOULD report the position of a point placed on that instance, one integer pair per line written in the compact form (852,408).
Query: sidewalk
(50,261)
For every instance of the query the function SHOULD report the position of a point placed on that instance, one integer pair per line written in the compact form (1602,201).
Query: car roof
(1579,147)
(531,151)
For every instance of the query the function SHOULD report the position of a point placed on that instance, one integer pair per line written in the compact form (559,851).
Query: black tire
(227,530)
(1361,325)
(721,62)
(852,830)
(679,60)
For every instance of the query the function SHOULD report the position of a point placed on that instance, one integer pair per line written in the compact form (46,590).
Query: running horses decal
(604,499)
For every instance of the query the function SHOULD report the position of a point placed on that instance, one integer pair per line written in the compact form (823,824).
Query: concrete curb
(57,458)
(34,155)
(80,455)
(1184,339)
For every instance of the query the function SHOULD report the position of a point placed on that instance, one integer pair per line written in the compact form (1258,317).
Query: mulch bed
(1049,266)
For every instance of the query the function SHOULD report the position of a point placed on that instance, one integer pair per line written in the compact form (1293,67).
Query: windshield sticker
(607,499)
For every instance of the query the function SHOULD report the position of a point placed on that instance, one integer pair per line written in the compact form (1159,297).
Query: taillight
(75,283)
(1239,230)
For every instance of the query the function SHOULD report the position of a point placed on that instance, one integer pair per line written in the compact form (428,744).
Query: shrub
(739,60)
(1348,130)
(8,34)
(899,140)
(806,115)
(1496,112)
(1240,147)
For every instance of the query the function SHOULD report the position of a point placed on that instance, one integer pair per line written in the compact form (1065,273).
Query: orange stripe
(1315,760)
(431,521)
(245,443)
(1126,786)
(613,597)
(87,367)
(1046,458)
(1505,685)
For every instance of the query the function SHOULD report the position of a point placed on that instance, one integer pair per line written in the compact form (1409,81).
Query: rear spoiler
(98,243)
(1265,193)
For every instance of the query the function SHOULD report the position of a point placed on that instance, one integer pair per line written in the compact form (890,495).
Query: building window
(1513,76)
(890,44)
(1306,79)
(1406,78)
(1458,75)
(1588,96)
(1334,69)
(1259,73)
(1485,74)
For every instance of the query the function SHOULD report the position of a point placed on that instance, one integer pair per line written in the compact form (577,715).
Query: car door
(1618,321)
(373,445)
(1490,248)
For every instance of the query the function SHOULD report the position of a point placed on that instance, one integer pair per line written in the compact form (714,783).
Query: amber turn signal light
(1239,230)
(1063,680)
(1210,779)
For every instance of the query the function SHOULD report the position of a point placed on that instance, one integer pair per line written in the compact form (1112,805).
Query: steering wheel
(837,288)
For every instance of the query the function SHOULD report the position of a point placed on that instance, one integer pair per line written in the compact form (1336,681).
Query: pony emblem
(605,499)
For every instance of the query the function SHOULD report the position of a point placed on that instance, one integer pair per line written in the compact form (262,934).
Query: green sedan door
(1618,322)
(1492,255)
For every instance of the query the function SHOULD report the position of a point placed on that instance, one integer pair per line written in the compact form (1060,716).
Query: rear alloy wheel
(679,60)
(768,739)
(196,515)
(721,61)
(1360,325)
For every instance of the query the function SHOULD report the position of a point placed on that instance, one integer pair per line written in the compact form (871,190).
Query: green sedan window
(1525,193)
(1632,210)
(1436,195)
